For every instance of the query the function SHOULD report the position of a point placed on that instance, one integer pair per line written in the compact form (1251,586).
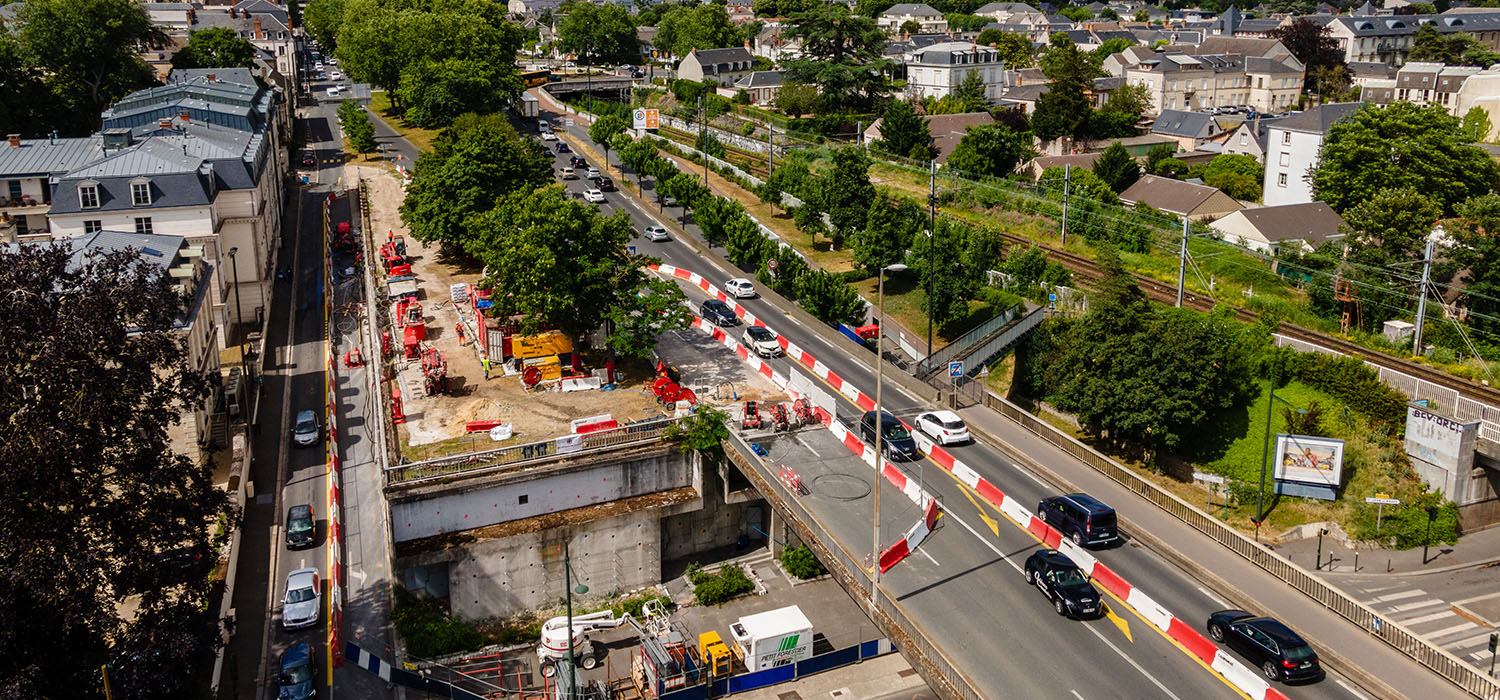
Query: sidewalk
(1473,550)
(1342,644)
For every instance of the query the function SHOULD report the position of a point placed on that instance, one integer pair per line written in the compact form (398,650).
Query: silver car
(306,431)
(762,340)
(302,603)
(655,233)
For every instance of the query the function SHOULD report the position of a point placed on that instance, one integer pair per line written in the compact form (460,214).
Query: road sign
(1051,297)
(631,249)
(642,118)
(1210,478)
(1383,501)
(955,369)
(771,264)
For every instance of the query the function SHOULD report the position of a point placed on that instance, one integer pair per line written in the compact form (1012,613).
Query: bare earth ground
(435,425)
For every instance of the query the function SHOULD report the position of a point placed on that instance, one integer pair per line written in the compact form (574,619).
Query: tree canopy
(845,192)
(1116,168)
(841,54)
(1392,225)
(1401,146)
(1015,49)
(1310,42)
(97,505)
(1064,110)
(1477,233)
(87,50)
(903,132)
(887,234)
(991,150)
(707,26)
(217,47)
(1458,49)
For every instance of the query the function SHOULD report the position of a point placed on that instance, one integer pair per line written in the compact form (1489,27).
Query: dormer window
(140,193)
(88,195)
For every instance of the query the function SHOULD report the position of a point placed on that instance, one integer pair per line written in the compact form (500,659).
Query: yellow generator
(716,655)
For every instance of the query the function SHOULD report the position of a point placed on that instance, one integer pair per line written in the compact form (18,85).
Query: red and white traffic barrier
(908,544)
(1183,633)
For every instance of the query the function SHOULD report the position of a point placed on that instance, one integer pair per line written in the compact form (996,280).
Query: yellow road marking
(1122,623)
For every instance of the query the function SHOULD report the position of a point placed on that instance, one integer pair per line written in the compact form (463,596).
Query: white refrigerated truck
(773,638)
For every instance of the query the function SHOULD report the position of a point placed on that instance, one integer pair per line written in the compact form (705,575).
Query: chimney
(164,123)
(258,33)
(185,116)
(232,13)
(15,140)
(212,77)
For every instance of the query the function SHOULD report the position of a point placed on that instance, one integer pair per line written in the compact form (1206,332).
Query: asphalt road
(1008,634)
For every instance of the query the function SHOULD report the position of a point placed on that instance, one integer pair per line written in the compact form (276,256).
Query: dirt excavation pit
(436,425)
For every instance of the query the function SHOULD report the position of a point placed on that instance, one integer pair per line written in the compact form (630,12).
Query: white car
(567,174)
(303,600)
(335,90)
(655,233)
(333,61)
(542,125)
(740,288)
(318,65)
(944,426)
(335,76)
(594,173)
(594,196)
(762,340)
(547,136)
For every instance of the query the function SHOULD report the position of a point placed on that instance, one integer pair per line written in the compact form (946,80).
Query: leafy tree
(960,22)
(598,32)
(1116,168)
(970,93)
(713,215)
(990,150)
(1477,234)
(1458,49)
(708,143)
(841,54)
(1142,15)
(657,307)
(902,130)
(473,164)
(1394,222)
(1015,49)
(27,106)
(97,505)
(1064,109)
(604,130)
(379,42)
(558,261)
(796,99)
(1076,13)
(357,127)
(1310,42)
(1402,145)
(845,192)
(1476,124)
(1158,153)
(324,19)
(1110,47)
(782,8)
(1118,117)
(218,47)
(825,296)
(87,51)
(707,26)
(910,27)
(636,156)
(887,233)
(1110,14)
(1236,175)
(703,430)
(745,246)
(1082,183)
(939,265)
(1330,82)
(434,93)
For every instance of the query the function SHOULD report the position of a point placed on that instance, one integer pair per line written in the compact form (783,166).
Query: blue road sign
(1051,297)
(956,369)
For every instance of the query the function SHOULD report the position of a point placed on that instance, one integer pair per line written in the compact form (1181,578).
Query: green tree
(707,26)
(218,47)
(357,127)
(1116,168)
(1310,42)
(1064,109)
(27,106)
(1477,253)
(902,130)
(703,430)
(473,164)
(1236,175)
(1015,49)
(841,54)
(87,49)
(938,261)
(1476,124)
(1082,184)
(783,8)
(1110,47)
(604,130)
(324,19)
(910,27)
(795,99)
(1077,14)
(434,93)
(1400,146)
(637,320)
(556,262)
(1142,15)
(887,233)
(845,192)
(970,93)
(960,22)
(826,296)
(1157,154)
(99,505)
(713,215)
(1392,225)
(598,32)
(1118,117)
(991,150)
(1457,49)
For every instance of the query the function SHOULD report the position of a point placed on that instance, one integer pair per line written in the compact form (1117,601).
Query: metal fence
(529,454)
(1461,673)
(939,359)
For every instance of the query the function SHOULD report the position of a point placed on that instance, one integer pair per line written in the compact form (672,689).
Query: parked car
(335,90)
(543,125)
(594,173)
(607,185)
(896,442)
(303,599)
(562,147)
(301,527)
(655,233)
(1081,518)
(567,174)
(740,288)
(762,340)
(594,196)
(1058,578)
(719,313)
(297,677)
(1281,654)
(308,159)
(305,430)
(945,427)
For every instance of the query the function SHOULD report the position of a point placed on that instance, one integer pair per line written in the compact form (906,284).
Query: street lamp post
(879,424)
(1265,455)
(1431,516)
(582,589)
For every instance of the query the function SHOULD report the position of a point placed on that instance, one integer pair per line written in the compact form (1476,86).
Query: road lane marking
(1426,618)
(1213,597)
(1398,596)
(1120,622)
(1351,689)
(923,552)
(1466,626)
(1137,666)
(1076,695)
(1404,607)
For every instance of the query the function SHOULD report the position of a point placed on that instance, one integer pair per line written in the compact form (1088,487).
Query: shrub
(720,587)
(1408,525)
(800,562)
(429,630)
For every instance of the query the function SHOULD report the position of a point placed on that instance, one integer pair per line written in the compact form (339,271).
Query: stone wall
(717,524)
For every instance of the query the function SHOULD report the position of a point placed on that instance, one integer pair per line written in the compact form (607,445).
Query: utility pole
(1067,177)
(931,240)
(702,139)
(1182,262)
(1416,344)
(770,150)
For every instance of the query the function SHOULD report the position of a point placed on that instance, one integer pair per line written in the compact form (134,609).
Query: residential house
(1024,96)
(1423,83)
(1002,12)
(1249,139)
(26,169)
(1115,64)
(1389,39)
(739,11)
(1196,202)
(930,20)
(762,85)
(1256,28)
(946,129)
(1481,90)
(1241,46)
(532,8)
(1181,81)
(1296,227)
(265,24)
(772,44)
(1292,147)
(1190,129)
(724,66)
(938,70)
(171,16)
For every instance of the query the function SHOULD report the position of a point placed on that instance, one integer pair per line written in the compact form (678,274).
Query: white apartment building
(1292,147)
(1191,83)
(1388,39)
(931,20)
(937,70)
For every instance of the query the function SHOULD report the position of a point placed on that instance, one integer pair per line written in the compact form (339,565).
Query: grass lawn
(380,103)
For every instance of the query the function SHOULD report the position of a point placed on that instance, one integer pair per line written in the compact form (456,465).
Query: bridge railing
(529,454)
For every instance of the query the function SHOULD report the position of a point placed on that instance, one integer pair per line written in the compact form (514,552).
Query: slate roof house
(1197,202)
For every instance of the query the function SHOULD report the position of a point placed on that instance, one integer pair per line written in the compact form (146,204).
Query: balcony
(24,205)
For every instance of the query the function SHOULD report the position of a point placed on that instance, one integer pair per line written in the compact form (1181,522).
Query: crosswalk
(1432,617)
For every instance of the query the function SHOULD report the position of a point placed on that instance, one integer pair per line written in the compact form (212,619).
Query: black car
(895,440)
(562,147)
(577,162)
(297,677)
(1080,517)
(301,528)
(718,313)
(1058,578)
(607,185)
(1281,654)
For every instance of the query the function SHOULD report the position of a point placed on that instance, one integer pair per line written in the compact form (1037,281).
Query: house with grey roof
(1297,227)
(939,69)
(1388,39)
(723,66)
(1196,202)
(1191,129)
(1179,81)
(1250,137)
(930,19)
(762,85)
(266,25)
(1292,147)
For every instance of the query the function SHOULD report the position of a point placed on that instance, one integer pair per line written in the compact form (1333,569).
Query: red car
(308,158)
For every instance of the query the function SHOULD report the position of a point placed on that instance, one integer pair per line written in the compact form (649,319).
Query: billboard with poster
(642,118)
(1305,459)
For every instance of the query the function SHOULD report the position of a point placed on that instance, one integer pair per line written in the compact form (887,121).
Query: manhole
(907,672)
(845,487)
(794,695)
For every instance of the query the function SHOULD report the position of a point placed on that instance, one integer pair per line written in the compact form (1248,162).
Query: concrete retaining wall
(716,524)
